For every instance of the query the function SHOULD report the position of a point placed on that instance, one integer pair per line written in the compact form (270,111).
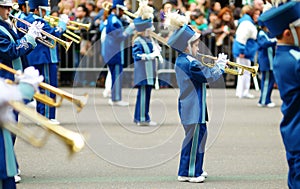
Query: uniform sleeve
(263,41)
(115,29)
(204,74)
(137,49)
(10,50)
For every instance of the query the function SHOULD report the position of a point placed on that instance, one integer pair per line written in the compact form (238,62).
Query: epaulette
(190,58)
(295,54)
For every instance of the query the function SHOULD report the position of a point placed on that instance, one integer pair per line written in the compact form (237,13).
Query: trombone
(79,101)
(69,35)
(73,140)
(252,69)
(65,44)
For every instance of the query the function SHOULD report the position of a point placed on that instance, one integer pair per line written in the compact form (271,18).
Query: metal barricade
(90,70)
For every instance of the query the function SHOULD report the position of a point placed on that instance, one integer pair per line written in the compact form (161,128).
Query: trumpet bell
(74,141)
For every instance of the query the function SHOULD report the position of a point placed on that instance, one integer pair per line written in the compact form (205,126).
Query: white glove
(35,29)
(30,76)
(64,18)
(222,61)
(150,56)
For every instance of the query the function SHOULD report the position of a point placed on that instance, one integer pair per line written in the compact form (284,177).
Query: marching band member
(144,54)
(266,51)
(192,77)
(284,23)
(113,54)
(44,58)
(28,84)
(244,49)
(13,48)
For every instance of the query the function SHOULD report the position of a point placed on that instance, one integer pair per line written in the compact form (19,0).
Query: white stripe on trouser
(265,87)
(243,82)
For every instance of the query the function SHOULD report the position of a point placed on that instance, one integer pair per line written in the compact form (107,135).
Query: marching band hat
(180,39)
(277,19)
(118,3)
(6,3)
(21,2)
(142,25)
(34,4)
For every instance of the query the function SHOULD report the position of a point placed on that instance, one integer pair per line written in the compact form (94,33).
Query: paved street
(244,147)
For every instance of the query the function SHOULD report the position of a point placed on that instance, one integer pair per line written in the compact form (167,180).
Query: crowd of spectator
(216,21)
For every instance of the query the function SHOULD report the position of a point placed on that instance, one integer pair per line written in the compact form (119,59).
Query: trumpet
(79,101)
(76,26)
(107,5)
(49,44)
(72,139)
(68,34)
(252,69)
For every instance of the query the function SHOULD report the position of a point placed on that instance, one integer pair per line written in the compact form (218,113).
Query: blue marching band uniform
(192,77)
(113,50)
(266,52)
(287,76)
(43,58)
(144,70)
(13,50)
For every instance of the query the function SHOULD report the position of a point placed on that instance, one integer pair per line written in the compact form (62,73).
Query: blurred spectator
(236,15)
(204,6)
(224,30)
(216,7)
(212,19)
(198,20)
(245,47)
(258,4)
(168,5)
(91,6)
(191,7)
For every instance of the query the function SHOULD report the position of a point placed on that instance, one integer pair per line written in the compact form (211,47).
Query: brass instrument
(77,25)
(107,5)
(252,69)
(68,34)
(79,101)
(49,44)
(74,140)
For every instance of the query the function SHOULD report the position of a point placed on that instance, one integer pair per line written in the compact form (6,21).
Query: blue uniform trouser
(192,151)
(293,159)
(141,113)
(266,84)
(8,183)
(116,78)
(49,71)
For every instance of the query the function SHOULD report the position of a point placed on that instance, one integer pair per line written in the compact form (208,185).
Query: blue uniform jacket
(43,54)
(266,51)
(251,46)
(144,70)
(287,76)
(192,77)
(10,51)
(113,50)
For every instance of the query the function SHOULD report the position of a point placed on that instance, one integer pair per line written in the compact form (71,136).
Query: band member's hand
(30,76)
(35,29)
(64,18)
(222,61)
(150,56)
